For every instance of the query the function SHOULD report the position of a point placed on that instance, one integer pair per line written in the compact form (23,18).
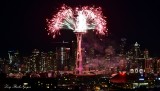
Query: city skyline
(86,45)
(24,23)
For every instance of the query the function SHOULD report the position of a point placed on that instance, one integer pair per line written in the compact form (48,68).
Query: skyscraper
(136,58)
(14,61)
(63,58)
(34,60)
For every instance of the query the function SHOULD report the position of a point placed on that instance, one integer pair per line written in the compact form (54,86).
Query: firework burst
(80,20)
(77,19)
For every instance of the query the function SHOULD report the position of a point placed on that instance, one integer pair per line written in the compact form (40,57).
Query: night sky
(23,23)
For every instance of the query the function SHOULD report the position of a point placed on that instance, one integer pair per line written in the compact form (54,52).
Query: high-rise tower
(79,67)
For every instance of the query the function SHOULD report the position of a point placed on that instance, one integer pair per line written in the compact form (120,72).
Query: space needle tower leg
(79,67)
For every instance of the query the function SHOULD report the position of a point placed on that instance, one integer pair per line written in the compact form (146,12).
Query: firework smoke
(108,61)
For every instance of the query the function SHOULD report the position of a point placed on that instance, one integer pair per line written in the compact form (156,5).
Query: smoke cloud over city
(99,52)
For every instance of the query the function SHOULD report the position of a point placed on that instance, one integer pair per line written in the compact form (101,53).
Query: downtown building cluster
(133,60)
(38,61)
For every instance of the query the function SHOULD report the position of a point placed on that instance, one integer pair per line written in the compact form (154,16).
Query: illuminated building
(148,62)
(136,60)
(43,62)
(136,57)
(158,66)
(47,62)
(149,65)
(34,60)
(25,65)
(4,66)
(14,61)
(79,66)
(10,55)
(51,61)
(63,58)
(137,51)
